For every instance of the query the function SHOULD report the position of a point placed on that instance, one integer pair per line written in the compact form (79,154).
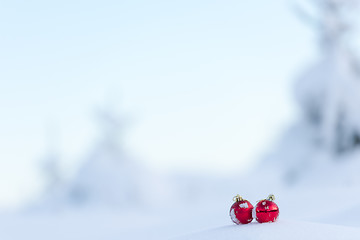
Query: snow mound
(279,230)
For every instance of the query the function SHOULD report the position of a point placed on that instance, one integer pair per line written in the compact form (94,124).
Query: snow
(244,205)
(233,216)
(282,229)
(307,212)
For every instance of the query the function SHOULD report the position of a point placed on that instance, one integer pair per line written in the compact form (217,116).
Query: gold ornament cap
(271,197)
(237,198)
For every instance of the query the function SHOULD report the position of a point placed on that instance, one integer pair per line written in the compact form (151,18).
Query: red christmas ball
(266,210)
(241,211)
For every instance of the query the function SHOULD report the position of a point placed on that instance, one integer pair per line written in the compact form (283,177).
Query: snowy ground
(325,204)
(305,213)
(295,230)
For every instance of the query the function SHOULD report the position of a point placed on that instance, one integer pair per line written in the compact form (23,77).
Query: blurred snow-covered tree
(108,175)
(329,91)
(328,94)
(50,164)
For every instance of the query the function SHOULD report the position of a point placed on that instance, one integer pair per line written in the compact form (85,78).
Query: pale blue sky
(207,84)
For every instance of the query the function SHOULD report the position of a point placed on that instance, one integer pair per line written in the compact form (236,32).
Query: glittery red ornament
(266,210)
(241,211)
